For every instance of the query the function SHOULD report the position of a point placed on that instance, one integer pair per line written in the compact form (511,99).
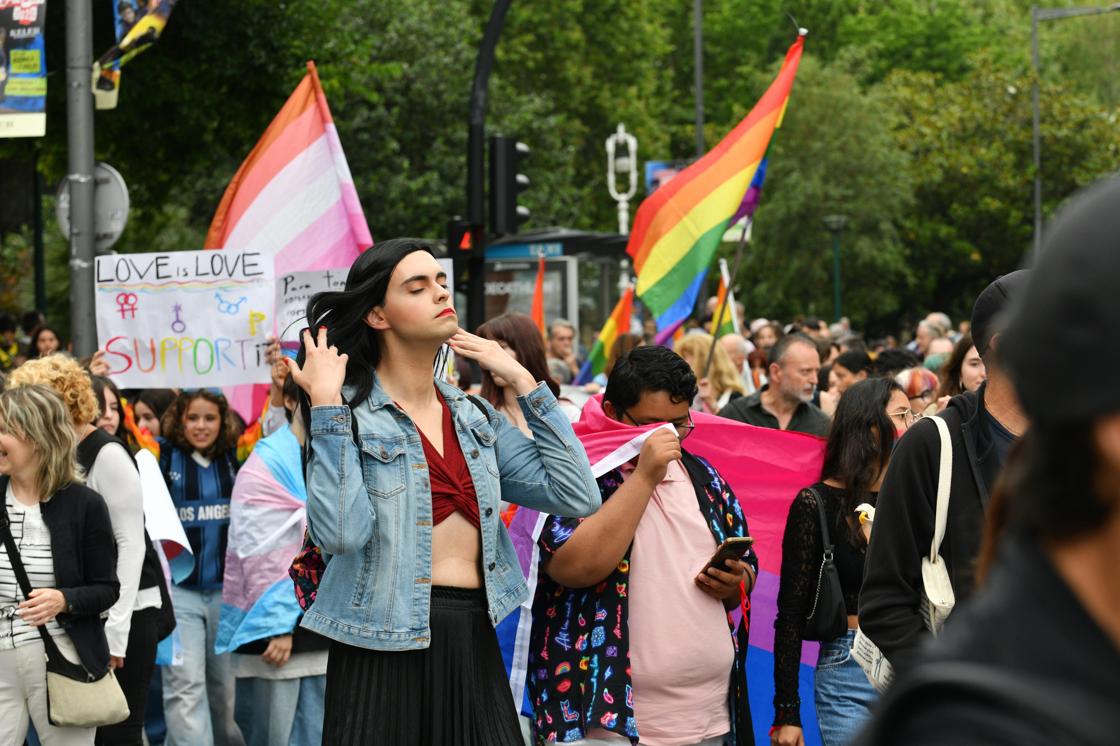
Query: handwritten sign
(185,319)
(293,291)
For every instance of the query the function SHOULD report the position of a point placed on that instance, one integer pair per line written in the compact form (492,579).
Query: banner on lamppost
(23,68)
(185,319)
(138,25)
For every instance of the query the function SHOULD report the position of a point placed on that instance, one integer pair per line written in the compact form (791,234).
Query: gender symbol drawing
(178,325)
(126,303)
(229,307)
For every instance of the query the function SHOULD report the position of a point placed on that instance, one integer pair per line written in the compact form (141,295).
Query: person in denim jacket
(404,479)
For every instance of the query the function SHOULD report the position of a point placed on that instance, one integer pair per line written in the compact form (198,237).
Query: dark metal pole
(79,137)
(476,160)
(836,275)
(1036,138)
(698,64)
(38,255)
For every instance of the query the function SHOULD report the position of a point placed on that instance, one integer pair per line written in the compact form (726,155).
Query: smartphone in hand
(733,548)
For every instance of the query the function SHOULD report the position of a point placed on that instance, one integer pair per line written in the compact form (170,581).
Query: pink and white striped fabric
(294,198)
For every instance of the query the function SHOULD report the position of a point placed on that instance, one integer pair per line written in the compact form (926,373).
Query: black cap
(988,312)
(1060,346)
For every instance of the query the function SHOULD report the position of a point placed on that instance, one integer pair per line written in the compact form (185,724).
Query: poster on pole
(23,68)
(185,319)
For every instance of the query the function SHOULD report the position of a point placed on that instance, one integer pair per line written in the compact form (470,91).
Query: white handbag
(937,590)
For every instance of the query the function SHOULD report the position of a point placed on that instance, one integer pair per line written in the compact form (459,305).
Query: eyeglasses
(906,417)
(683,428)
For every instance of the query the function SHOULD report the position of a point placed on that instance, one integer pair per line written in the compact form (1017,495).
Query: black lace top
(802,548)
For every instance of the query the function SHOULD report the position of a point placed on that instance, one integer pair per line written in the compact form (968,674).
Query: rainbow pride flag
(617,323)
(293,198)
(728,321)
(679,226)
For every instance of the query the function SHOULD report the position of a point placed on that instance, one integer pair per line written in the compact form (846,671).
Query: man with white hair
(737,349)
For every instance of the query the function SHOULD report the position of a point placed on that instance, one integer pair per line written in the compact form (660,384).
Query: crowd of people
(351,555)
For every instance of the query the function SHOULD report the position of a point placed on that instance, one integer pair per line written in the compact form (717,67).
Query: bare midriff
(456,553)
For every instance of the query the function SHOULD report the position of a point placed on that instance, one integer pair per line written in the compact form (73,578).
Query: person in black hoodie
(982,427)
(61,532)
(1035,657)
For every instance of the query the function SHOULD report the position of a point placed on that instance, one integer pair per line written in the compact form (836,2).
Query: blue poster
(23,68)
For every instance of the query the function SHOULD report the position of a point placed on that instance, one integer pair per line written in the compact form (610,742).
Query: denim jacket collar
(378,399)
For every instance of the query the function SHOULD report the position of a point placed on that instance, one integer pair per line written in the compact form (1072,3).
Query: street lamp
(835,225)
(1038,15)
(622,158)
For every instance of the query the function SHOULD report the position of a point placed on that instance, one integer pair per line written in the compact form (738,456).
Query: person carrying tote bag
(823,552)
(57,576)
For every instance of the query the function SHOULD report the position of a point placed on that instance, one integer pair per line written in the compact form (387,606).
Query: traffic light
(506,155)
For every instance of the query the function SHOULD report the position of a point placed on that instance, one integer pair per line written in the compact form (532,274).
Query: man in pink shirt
(633,634)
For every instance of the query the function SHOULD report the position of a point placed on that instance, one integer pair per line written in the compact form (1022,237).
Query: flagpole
(726,296)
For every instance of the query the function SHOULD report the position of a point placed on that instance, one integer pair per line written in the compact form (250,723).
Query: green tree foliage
(851,166)
(912,117)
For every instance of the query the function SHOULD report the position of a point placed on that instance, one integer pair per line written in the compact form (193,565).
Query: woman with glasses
(920,386)
(869,417)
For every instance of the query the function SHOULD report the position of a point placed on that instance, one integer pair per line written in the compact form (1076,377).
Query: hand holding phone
(720,578)
(733,548)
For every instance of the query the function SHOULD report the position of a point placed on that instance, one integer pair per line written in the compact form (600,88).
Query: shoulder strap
(481,407)
(944,486)
(91,445)
(826,538)
(17,566)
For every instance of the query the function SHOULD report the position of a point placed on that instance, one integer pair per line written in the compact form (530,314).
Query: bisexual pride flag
(766,469)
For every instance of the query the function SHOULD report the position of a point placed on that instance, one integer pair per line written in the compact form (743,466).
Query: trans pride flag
(765,468)
(679,226)
(292,198)
(267,517)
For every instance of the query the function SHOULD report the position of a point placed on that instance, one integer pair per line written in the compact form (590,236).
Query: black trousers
(135,678)
(454,693)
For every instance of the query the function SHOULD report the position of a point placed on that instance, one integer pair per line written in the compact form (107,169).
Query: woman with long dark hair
(519,336)
(963,371)
(198,458)
(149,408)
(868,418)
(404,479)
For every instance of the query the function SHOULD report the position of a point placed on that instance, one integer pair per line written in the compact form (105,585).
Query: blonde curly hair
(63,374)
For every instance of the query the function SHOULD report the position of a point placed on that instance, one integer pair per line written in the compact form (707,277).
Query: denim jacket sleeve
(550,471)
(340,515)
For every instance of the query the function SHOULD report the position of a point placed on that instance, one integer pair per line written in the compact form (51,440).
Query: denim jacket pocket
(384,465)
(485,436)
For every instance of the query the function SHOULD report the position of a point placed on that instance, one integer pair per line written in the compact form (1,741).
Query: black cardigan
(85,567)
(904,521)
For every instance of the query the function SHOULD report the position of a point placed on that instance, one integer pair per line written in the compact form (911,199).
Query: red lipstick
(446,312)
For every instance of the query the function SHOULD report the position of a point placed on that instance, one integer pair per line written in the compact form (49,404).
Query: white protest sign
(185,319)
(293,291)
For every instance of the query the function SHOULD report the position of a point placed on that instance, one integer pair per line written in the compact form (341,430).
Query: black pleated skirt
(454,693)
